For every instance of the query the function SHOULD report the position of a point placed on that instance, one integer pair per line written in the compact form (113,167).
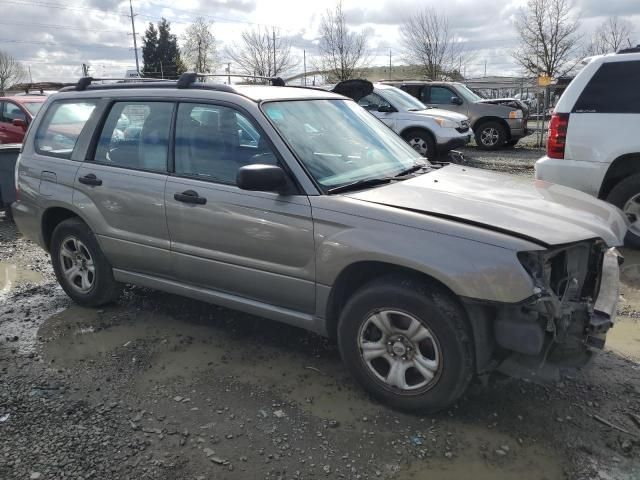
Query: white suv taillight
(557,135)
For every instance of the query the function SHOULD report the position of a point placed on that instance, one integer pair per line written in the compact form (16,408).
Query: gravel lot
(157,386)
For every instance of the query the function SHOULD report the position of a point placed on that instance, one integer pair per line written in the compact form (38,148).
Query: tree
(11,71)
(342,53)
(263,53)
(160,52)
(548,34)
(429,42)
(199,47)
(612,35)
(150,51)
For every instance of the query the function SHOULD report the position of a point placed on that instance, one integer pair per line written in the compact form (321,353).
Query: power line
(60,6)
(66,27)
(36,42)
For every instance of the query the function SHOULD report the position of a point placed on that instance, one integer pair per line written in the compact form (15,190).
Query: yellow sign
(544,80)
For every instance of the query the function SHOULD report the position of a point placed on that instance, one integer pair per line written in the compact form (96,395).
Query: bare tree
(342,53)
(263,52)
(612,35)
(429,42)
(199,49)
(11,71)
(549,37)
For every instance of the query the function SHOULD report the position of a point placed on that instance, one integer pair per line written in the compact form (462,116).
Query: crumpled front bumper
(605,308)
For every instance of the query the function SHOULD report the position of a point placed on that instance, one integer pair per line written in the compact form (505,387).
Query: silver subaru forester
(298,205)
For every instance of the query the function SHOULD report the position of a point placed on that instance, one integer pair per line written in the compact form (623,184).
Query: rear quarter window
(614,88)
(61,126)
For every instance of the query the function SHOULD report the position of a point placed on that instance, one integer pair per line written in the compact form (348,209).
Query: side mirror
(261,178)
(456,100)
(19,122)
(386,109)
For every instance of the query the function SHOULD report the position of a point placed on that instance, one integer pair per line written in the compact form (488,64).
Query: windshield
(468,95)
(401,99)
(339,142)
(33,107)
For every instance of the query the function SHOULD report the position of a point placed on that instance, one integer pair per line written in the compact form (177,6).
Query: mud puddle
(12,275)
(488,455)
(624,338)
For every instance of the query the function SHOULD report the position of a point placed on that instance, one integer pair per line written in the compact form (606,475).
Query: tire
(626,196)
(403,300)
(422,142)
(8,214)
(73,244)
(490,135)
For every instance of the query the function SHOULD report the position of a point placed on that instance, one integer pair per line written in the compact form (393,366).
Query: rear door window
(13,112)
(614,88)
(63,122)
(136,135)
(373,102)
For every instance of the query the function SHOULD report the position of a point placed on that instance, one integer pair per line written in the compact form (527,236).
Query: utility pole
(229,73)
(273,30)
(485,68)
(304,62)
(30,77)
(161,71)
(135,40)
(389,64)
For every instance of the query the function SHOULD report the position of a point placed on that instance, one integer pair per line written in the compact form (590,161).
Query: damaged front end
(566,321)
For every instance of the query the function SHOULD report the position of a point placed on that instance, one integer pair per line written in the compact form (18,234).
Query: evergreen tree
(150,51)
(160,52)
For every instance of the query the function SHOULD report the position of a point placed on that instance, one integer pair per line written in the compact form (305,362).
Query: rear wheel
(80,266)
(422,142)
(490,135)
(407,343)
(626,196)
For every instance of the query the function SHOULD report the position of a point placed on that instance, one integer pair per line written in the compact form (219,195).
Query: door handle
(190,196)
(90,179)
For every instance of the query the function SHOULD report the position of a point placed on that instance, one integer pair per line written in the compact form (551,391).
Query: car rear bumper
(584,176)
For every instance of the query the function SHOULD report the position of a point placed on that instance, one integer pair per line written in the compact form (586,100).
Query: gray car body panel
(291,249)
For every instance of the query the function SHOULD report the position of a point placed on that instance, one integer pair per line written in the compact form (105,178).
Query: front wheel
(490,135)
(80,266)
(422,142)
(407,343)
(626,196)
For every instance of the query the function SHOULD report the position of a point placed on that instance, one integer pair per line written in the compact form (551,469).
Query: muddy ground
(158,386)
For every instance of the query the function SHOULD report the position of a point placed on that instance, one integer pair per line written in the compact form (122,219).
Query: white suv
(594,135)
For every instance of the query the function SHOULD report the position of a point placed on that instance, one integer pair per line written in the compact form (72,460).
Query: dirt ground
(158,386)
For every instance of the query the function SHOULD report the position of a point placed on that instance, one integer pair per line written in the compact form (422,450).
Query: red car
(15,115)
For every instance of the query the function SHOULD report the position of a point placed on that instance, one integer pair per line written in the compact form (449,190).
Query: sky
(54,37)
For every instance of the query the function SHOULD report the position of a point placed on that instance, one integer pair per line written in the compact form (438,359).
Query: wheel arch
(51,218)
(358,274)
(620,168)
(419,128)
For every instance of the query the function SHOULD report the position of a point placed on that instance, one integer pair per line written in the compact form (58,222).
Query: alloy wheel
(77,264)
(632,211)
(399,350)
(419,145)
(489,136)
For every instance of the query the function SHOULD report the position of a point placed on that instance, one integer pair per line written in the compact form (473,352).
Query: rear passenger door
(256,245)
(10,133)
(121,186)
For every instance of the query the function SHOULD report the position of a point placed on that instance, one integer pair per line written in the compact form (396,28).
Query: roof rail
(84,82)
(635,49)
(189,78)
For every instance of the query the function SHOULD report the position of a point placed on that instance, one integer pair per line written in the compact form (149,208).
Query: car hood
(537,211)
(438,113)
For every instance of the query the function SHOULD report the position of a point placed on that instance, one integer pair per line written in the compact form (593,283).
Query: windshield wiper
(414,168)
(369,182)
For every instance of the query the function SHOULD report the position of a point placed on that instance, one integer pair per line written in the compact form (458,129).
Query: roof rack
(635,49)
(84,82)
(189,78)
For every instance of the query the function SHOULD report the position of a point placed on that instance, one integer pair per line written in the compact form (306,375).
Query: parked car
(425,274)
(430,131)
(8,156)
(15,115)
(496,122)
(593,143)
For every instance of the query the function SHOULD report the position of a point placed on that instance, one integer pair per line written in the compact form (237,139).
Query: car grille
(464,126)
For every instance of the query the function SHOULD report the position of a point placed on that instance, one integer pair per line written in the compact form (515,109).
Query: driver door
(255,245)
(372,103)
